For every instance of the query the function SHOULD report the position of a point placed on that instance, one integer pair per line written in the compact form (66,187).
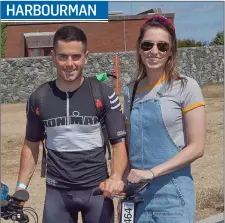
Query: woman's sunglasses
(148,45)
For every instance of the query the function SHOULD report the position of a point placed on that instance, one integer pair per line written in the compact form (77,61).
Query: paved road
(219,218)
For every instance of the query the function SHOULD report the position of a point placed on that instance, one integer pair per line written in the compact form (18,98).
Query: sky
(193,20)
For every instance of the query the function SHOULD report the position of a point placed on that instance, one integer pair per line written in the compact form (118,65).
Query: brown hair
(170,66)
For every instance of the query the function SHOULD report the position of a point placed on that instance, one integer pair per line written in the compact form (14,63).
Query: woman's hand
(136,175)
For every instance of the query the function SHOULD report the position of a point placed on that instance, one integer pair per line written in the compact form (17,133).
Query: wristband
(22,186)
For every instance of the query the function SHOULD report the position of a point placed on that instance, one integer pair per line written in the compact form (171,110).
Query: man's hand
(112,186)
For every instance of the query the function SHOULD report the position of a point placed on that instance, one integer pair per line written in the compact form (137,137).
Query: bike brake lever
(144,183)
(138,199)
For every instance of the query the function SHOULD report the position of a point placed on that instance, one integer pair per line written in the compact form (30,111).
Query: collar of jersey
(151,86)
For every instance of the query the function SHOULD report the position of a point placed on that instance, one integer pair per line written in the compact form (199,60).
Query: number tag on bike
(127,213)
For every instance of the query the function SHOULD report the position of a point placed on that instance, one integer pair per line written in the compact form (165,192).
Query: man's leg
(55,210)
(98,210)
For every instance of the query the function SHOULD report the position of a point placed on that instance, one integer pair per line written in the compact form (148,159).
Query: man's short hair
(70,33)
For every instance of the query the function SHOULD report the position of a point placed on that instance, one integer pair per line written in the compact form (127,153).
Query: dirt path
(207,171)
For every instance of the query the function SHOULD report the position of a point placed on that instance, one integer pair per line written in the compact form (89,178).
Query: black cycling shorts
(63,205)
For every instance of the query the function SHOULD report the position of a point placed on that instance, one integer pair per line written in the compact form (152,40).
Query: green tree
(218,40)
(3,39)
(190,43)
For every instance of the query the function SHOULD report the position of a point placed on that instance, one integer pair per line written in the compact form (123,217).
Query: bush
(3,38)
(190,43)
(218,40)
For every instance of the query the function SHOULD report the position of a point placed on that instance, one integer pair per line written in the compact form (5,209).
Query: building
(118,34)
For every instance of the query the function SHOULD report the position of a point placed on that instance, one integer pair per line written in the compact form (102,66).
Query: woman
(166,127)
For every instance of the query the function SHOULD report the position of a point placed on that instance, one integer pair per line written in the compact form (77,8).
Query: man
(76,163)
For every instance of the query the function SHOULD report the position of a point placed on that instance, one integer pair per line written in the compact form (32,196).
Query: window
(38,52)
(47,51)
(34,52)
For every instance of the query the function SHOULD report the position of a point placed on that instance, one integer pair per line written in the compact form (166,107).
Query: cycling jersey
(76,155)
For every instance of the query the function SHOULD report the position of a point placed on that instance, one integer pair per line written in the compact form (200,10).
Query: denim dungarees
(169,198)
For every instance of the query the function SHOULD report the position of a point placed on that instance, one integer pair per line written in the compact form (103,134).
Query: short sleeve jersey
(175,102)
(75,144)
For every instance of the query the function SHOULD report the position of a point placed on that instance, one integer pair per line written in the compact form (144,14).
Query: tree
(218,40)
(190,43)
(3,38)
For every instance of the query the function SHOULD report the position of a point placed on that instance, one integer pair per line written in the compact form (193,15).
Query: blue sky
(195,20)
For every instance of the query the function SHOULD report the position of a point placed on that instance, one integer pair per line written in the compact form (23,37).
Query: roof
(39,34)
(150,11)
(39,39)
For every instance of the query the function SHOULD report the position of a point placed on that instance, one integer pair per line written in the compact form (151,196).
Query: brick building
(118,34)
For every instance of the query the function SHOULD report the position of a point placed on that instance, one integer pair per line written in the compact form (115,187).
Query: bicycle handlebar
(12,210)
(130,190)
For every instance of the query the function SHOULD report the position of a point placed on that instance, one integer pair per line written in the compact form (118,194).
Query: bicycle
(11,209)
(130,196)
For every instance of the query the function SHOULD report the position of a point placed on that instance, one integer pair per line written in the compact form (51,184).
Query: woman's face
(155,48)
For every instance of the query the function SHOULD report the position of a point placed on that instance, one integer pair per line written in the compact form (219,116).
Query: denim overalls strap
(168,198)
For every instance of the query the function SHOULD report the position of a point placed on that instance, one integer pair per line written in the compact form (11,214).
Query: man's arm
(116,131)
(28,162)
(119,161)
(114,184)
(30,149)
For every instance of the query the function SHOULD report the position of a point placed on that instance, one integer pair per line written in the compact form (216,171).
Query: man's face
(70,58)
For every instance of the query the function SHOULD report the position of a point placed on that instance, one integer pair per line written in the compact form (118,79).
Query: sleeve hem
(118,140)
(32,139)
(193,106)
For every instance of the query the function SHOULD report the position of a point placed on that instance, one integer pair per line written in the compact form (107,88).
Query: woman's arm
(195,128)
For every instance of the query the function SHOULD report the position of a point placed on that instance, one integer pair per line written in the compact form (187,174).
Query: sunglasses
(148,45)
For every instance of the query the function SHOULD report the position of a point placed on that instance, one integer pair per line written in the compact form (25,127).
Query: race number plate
(127,214)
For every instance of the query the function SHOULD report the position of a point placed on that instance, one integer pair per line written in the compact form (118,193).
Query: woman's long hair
(170,66)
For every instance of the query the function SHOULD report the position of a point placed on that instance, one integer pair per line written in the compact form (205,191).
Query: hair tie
(161,20)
